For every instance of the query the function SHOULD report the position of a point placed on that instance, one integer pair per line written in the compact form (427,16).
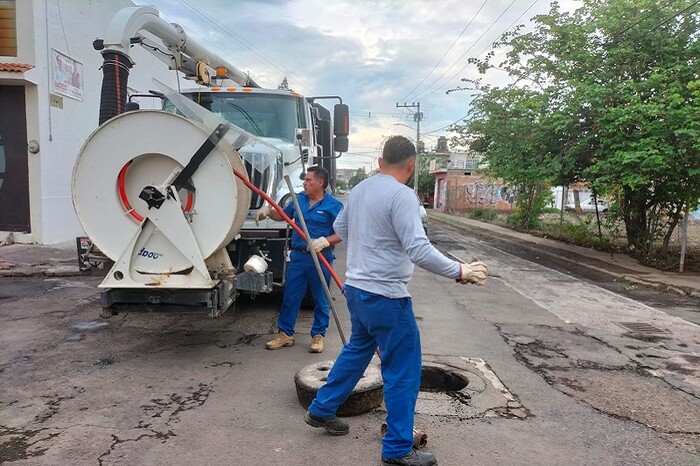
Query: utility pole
(417,117)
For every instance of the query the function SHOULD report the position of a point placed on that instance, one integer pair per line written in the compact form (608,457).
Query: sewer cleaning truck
(169,195)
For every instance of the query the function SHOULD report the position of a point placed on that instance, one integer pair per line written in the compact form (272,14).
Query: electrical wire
(254,50)
(423,94)
(447,126)
(447,51)
(60,20)
(669,19)
(510,26)
(619,34)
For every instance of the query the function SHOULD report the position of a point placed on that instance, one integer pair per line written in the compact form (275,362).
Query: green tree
(341,184)
(284,85)
(615,84)
(514,130)
(357,177)
(426,181)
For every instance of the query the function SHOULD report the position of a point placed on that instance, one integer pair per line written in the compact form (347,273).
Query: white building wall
(68,26)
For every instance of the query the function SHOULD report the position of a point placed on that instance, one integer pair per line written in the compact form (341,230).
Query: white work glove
(262,214)
(473,273)
(319,244)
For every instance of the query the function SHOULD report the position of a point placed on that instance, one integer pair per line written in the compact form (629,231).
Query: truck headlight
(285,201)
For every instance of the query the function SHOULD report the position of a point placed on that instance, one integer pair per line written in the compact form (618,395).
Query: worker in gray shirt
(382,229)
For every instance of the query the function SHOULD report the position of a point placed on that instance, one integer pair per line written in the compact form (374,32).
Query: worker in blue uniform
(384,235)
(320,209)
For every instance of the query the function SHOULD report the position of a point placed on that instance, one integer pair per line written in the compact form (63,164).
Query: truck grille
(261,180)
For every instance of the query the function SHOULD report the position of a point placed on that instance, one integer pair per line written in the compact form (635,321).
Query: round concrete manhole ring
(438,378)
(367,395)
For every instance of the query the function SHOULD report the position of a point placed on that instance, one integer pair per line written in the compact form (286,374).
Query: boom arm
(125,30)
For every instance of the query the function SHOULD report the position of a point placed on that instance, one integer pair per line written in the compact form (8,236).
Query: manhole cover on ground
(450,386)
(368,394)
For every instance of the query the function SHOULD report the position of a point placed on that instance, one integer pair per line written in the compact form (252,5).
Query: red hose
(286,218)
(291,223)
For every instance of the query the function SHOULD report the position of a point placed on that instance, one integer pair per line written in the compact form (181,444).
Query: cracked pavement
(184,389)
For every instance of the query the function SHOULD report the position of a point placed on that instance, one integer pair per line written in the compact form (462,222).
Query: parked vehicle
(185,238)
(588,206)
(423,215)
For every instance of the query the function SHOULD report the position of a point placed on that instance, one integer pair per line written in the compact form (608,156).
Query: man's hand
(262,214)
(474,273)
(319,244)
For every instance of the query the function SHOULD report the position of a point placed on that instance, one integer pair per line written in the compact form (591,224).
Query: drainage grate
(642,327)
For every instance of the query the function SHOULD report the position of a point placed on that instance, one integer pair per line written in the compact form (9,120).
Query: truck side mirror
(341,120)
(340,144)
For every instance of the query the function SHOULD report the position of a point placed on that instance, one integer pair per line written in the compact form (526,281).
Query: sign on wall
(67,75)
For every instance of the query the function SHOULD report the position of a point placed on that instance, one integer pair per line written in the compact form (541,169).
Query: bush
(484,214)
(530,203)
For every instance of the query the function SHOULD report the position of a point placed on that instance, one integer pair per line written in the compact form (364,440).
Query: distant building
(345,173)
(460,187)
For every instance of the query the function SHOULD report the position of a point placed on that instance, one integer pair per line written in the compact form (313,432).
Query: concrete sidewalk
(620,266)
(26,260)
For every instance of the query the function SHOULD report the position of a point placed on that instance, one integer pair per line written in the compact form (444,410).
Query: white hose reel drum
(149,148)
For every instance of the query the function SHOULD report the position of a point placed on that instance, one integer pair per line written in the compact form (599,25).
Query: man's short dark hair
(397,150)
(320,173)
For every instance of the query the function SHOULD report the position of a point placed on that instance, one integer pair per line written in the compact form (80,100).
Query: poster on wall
(67,75)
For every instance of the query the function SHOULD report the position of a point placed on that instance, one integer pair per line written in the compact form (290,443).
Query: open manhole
(465,388)
(441,379)
(450,386)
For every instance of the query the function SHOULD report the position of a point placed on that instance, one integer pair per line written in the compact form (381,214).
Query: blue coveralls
(301,272)
(389,324)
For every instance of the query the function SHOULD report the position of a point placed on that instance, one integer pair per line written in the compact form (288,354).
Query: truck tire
(367,395)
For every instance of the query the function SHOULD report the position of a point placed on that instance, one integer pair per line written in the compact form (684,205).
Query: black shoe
(415,458)
(333,425)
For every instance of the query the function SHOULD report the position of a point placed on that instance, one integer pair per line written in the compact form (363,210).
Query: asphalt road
(562,369)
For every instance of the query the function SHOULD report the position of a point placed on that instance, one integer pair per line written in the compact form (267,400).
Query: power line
(484,50)
(227,33)
(619,34)
(615,37)
(669,19)
(447,126)
(446,52)
(510,26)
(422,93)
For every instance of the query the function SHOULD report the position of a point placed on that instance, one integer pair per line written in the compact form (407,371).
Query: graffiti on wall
(494,195)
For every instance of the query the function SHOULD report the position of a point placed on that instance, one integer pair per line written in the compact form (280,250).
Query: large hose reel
(125,201)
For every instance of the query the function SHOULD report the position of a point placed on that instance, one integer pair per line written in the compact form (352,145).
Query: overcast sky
(372,53)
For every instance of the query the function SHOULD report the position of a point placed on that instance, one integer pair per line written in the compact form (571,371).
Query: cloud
(372,53)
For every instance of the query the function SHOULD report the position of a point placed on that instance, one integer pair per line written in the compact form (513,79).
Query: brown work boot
(316,344)
(280,341)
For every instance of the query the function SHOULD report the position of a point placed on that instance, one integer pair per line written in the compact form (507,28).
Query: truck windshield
(264,115)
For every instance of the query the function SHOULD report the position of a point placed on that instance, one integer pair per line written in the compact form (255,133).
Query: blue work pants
(391,325)
(301,274)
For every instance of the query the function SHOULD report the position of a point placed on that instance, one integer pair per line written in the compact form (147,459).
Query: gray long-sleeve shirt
(384,235)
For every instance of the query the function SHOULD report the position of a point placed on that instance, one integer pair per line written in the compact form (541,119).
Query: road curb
(658,285)
(24,272)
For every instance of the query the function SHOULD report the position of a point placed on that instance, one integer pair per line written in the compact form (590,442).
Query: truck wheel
(367,395)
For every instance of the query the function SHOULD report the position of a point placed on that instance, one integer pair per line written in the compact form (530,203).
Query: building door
(441,195)
(14,163)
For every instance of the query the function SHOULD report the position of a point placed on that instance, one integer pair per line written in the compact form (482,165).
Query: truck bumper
(251,282)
